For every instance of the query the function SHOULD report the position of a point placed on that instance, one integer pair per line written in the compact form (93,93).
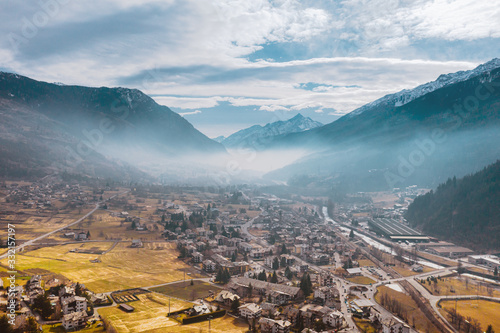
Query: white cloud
(456,20)
(189,113)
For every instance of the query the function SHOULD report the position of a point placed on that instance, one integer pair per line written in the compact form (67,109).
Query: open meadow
(121,268)
(487,313)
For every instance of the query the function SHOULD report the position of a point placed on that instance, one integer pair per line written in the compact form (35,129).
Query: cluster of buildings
(41,195)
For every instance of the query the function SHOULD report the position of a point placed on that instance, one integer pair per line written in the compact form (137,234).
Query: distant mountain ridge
(258,136)
(89,126)
(407,95)
(369,147)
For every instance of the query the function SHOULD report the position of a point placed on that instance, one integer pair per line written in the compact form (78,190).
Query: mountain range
(46,127)
(258,137)
(422,136)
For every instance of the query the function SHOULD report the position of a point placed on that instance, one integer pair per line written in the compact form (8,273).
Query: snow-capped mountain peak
(259,135)
(407,95)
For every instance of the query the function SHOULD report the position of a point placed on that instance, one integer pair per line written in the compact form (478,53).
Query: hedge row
(203,317)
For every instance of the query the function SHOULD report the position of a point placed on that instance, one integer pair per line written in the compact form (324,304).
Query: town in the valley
(98,256)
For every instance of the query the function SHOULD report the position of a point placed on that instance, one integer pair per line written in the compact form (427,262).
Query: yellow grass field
(365,262)
(405,270)
(151,316)
(361,279)
(415,315)
(121,268)
(103,226)
(460,287)
(487,313)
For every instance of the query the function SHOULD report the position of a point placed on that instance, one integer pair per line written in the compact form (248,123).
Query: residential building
(250,311)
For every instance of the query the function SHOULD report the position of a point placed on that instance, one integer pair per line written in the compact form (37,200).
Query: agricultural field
(121,268)
(415,315)
(483,311)
(150,314)
(29,224)
(450,286)
(185,290)
(104,225)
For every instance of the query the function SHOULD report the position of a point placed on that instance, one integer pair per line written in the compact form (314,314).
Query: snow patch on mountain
(257,135)
(407,95)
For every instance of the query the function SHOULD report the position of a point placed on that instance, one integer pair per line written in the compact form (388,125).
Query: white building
(334,319)
(250,311)
(490,261)
(395,325)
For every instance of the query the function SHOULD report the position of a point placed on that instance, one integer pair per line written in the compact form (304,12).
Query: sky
(228,64)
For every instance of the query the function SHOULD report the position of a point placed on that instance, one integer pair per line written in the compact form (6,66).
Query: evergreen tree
(42,305)
(233,257)
(133,226)
(283,249)
(262,276)
(276,263)
(283,262)
(288,273)
(490,329)
(351,234)
(496,271)
(218,277)
(235,304)
(305,284)
(250,289)
(274,278)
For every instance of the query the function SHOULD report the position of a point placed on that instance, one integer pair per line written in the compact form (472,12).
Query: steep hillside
(453,129)
(464,210)
(47,126)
